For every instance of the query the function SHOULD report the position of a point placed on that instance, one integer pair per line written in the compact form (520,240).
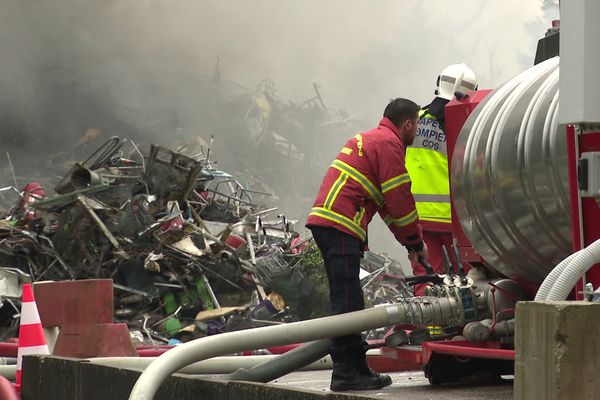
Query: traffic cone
(31,332)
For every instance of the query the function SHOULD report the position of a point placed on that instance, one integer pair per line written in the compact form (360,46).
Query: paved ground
(406,385)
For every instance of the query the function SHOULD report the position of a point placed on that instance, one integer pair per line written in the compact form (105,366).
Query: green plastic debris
(173,326)
(207,302)
(170,302)
(187,298)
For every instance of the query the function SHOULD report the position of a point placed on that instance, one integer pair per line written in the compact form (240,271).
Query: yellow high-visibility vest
(427,165)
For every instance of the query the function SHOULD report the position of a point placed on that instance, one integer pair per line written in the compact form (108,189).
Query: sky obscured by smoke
(140,58)
(361,52)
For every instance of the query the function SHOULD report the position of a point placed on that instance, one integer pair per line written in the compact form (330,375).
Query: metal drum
(509,177)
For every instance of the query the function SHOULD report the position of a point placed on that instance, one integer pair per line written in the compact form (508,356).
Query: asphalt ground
(405,385)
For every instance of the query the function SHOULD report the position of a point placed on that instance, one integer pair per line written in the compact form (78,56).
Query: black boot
(346,376)
(364,369)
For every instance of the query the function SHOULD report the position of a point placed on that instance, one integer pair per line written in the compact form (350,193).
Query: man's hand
(415,255)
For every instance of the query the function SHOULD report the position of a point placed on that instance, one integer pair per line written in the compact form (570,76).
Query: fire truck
(525,192)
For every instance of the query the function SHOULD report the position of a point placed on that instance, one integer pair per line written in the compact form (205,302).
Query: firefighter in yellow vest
(427,164)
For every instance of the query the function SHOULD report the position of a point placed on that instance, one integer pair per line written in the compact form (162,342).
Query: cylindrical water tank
(509,176)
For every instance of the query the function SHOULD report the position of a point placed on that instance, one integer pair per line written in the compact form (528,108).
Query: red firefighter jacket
(369,176)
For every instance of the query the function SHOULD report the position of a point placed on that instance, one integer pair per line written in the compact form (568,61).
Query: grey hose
(213,366)
(284,364)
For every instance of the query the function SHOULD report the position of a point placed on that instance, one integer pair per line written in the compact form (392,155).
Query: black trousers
(342,253)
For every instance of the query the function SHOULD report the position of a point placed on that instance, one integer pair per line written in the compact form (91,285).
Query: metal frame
(585,212)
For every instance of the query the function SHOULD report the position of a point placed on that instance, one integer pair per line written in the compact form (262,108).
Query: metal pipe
(482,331)
(8,349)
(418,311)
(216,365)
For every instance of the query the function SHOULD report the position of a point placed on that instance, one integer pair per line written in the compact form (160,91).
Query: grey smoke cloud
(362,51)
(142,58)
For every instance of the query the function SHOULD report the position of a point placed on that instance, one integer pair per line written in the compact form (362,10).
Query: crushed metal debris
(191,251)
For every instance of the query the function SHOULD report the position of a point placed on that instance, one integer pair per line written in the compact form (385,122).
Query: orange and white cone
(31,332)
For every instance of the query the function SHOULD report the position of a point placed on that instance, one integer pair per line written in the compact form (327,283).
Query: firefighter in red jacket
(367,176)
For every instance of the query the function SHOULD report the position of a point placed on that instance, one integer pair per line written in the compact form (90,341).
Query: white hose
(550,280)
(200,349)
(8,371)
(580,264)
(424,310)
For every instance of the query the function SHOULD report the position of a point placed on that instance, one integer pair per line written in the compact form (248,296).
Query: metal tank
(509,177)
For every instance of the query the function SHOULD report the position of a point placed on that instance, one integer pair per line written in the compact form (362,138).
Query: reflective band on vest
(434,212)
(439,220)
(359,215)
(335,190)
(361,179)
(432,198)
(394,182)
(428,169)
(340,219)
(402,221)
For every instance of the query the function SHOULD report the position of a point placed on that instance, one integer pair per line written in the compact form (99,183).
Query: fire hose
(561,280)
(579,265)
(417,311)
(547,284)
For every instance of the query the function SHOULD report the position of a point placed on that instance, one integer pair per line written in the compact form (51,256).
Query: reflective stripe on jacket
(427,163)
(368,176)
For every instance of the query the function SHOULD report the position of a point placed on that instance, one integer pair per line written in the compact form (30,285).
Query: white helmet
(455,78)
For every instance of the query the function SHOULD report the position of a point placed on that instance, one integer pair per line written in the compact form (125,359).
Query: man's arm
(399,211)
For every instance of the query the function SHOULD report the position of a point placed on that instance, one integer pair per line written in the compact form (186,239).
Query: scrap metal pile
(190,250)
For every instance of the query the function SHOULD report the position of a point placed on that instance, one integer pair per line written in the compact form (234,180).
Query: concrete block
(100,383)
(49,378)
(54,378)
(557,351)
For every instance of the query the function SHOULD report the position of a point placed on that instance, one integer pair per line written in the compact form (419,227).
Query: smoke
(144,68)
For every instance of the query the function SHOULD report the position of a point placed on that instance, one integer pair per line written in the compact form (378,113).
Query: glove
(415,255)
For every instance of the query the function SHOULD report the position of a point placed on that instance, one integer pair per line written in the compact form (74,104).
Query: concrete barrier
(557,346)
(55,378)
